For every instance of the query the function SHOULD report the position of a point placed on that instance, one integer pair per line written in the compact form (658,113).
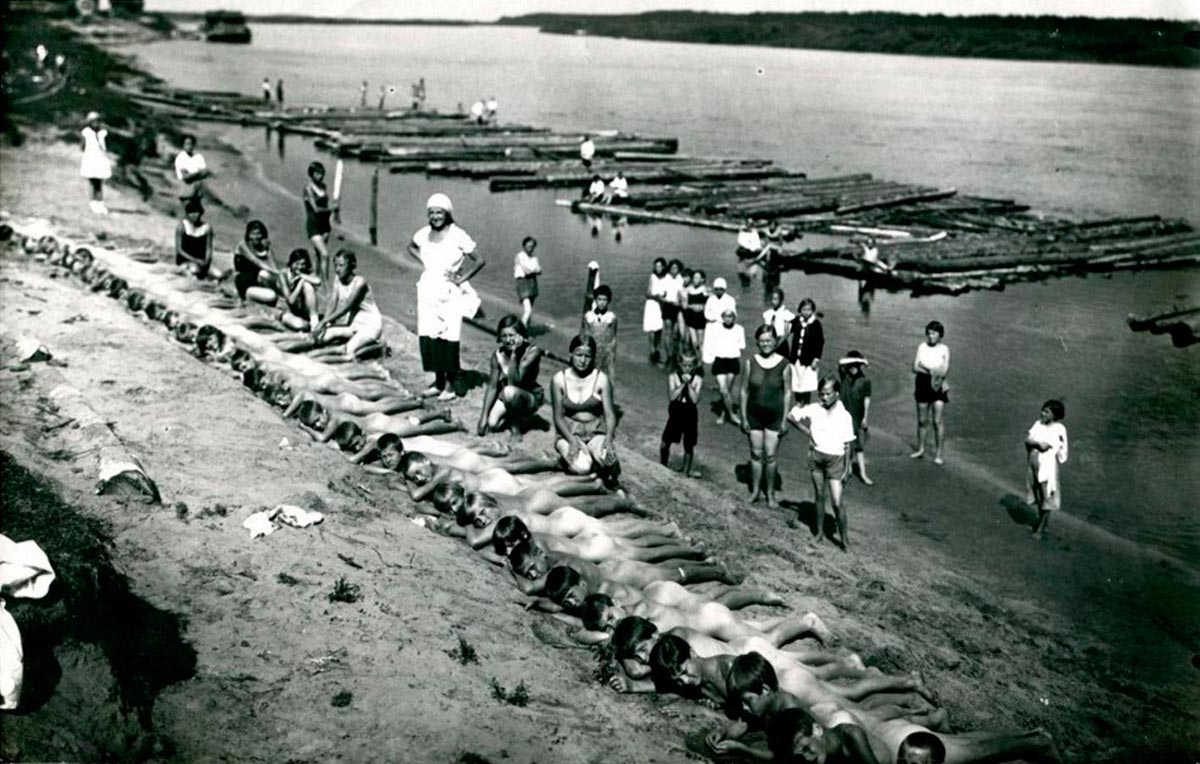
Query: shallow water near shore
(1087,139)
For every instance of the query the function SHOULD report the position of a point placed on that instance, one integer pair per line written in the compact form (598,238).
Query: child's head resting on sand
(509,532)
(185,332)
(633,639)
(349,437)
(155,310)
(240,360)
(479,510)
(528,560)
(252,378)
(794,736)
(415,468)
(313,414)
(671,666)
(565,587)
(209,340)
(749,685)
(172,318)
(599,613)
(390,450)
(135,300)
(921,747)
(448,498)
(276,391)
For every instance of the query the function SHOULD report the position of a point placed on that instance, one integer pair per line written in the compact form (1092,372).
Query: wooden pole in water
(374,225)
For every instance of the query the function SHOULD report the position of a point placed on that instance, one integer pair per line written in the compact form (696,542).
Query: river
(1082,139)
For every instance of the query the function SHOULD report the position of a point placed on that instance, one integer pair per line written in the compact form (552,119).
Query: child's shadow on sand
(804,517)
(1019,511)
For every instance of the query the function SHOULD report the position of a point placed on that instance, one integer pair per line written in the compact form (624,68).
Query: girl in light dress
(95,165)
(652,315)
(1046,448)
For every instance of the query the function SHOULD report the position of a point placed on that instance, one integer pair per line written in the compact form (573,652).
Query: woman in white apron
(444,296)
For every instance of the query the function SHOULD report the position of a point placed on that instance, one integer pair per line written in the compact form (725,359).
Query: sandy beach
(1095,641)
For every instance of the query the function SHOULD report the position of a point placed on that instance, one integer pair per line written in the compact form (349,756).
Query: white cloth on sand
(263,523)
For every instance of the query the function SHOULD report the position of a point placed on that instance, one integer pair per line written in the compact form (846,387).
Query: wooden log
(1144,323)
(895,200)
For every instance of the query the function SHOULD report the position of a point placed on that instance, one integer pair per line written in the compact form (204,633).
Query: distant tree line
(1146,42)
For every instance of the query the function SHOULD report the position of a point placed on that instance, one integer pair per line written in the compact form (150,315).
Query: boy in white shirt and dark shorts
(831,432)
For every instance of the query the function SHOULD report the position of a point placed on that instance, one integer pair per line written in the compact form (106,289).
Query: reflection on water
(1093,139)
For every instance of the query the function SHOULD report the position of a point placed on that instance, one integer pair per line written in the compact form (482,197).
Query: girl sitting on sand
(512,394)
(256,276)
(194,240)
(1046,449)
(299,311)
(352,315)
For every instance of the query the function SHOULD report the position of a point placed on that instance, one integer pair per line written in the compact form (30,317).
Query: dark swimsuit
(591,404)
(765,401)
(694,319)
(196,250)
(316,212)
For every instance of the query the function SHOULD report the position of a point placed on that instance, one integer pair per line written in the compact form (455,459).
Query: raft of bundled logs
(931,239)
(1182,324)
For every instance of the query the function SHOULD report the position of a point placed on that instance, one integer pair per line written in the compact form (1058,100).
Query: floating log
(1149,322)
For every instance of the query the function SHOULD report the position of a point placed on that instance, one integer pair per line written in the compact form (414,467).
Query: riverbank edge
(871,618)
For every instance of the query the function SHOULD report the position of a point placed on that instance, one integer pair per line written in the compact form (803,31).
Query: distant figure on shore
(766,378)
(383,91)
(194,240)
(596,191)
(1046,449)
(868,256)
(318,214)
(418,94)
(478,113)
(362,95)
(444,294)
(256,275)
(749,249)
(513,393)
(585,419)
(352,314)
(856,397)
(930,366)
(587,150)
(830,433)
(808,345)
(491,106)
(190,170)
(526,269)
(95,165)
(279,91)
(618,190)
(266,89)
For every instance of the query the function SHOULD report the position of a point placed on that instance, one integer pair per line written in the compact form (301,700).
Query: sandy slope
(258,692)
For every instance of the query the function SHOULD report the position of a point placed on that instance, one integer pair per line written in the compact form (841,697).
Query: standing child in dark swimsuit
(317,213)
(695,296)
(683,416)
(765,382)
(194,240)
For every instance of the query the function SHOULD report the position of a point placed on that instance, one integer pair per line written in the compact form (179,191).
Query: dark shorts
(726,366)
(746,254)
(694,319)
(527,288)
(683,418)
(834,467)
(438,355)
(318,224)
(670,311)
(924,392)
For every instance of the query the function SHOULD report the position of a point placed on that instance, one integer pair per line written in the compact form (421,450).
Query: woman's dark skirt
(438,355)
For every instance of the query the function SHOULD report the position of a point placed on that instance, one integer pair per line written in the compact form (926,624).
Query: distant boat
(225,26)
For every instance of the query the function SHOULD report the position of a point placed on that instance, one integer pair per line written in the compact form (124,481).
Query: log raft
(932,239)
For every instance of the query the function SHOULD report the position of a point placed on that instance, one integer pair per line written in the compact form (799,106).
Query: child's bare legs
(913,683)
(736,598)
(818,481)
(939,430)
(780,631)
(321,264)
(924,413)
(992,747)
(757,448)
(424,417)
(700,572)
(522,465)
(665,554)
(729,410)
(526,311)
(770,464)
(860,459)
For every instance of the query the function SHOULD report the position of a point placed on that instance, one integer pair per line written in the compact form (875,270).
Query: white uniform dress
(1054,435)
(652,318)
(442,304)
(95,164)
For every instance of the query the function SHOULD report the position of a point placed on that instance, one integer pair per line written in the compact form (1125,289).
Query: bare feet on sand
(918,454)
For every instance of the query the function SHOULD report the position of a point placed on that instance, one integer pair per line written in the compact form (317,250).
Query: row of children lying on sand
(593,558)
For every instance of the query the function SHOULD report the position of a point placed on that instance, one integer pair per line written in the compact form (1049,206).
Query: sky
(489,10)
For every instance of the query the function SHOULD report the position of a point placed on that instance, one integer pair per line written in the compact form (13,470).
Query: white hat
(439,201)
(720,283)
(92,115)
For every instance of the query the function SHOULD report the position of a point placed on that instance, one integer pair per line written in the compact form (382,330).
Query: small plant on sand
(518,697)
(470,757)
(344,591)
(287,580)
(606,662)
(342,699)
(464,653)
